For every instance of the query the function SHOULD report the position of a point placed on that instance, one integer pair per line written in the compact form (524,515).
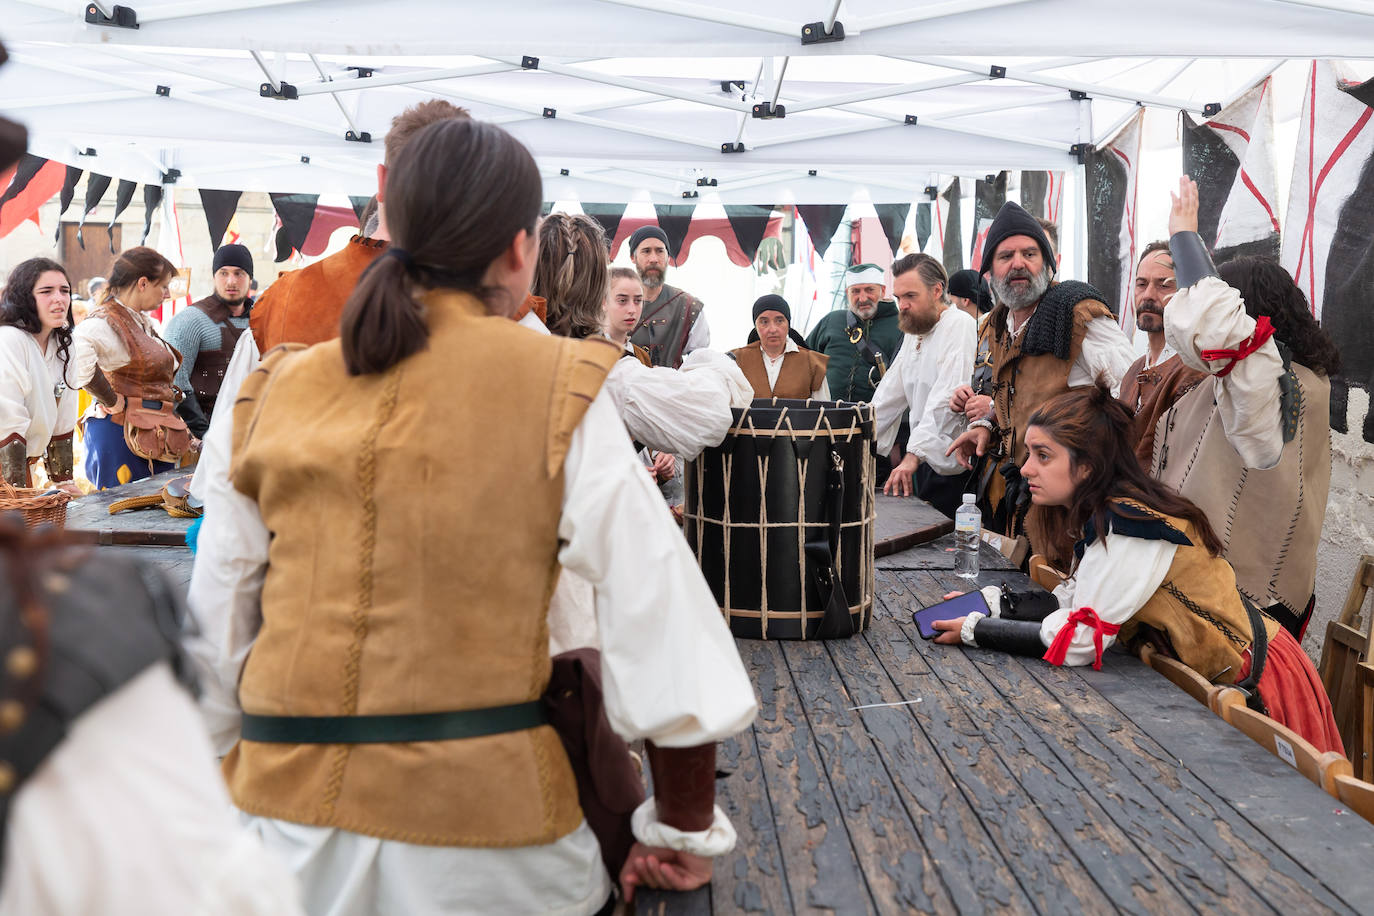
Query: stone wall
(1349,528)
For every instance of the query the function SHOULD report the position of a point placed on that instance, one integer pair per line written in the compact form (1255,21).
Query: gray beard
(1015,299)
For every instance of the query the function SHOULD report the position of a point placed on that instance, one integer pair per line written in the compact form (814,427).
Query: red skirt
(1292,691)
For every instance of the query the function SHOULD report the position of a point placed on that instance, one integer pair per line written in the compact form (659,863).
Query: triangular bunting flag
(893,220)
(359,207)
(219,207)
(952,241)
(35,181)
(65,201)
(152,199)
(674,220)
(922,225)
(821,222)
(1328,239)
(1231,157)
(297,212)
(326,222)
(96,186)
(749,222)
(988,197)
(608,215)
(123,195)
(1111,183)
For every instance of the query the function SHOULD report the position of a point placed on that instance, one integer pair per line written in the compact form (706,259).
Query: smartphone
(961,606)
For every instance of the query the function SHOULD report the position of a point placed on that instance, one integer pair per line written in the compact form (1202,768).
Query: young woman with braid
(1148,569)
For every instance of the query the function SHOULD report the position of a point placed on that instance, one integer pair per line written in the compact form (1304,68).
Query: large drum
(780,517)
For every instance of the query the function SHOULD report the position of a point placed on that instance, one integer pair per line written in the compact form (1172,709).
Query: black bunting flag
(219,207)
(152,199)
(749,222)
(96,186)
(608,215)
(923,227)
(892,217)
(123,195)
(34,183)
(674,220)
(1111,181)
(68,192)
(821,222)
(953,249)
(296,212)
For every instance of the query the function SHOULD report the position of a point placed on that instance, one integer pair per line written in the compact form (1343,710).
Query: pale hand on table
(899,481)
(1183,214)
(662,869)
(949,631)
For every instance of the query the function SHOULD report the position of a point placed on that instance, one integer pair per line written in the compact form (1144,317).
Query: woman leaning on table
(132,430)
(37,400)
(1148,569)
(326,593)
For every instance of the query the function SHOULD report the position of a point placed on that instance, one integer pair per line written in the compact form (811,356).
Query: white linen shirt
(1106,351)
(774,366)
(35,400)
(920,382)
(95,344)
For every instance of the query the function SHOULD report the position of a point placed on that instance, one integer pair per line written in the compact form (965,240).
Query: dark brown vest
(1155,390)
(802,372)
(208,373)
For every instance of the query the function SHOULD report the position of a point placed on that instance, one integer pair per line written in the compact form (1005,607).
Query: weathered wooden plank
(939,554)
(897,517)
(1129,880)
(751,879)
(966,856)
(1043,865)
(92,512)
(896,863)
(1154,824)
(1280,881)
(175,563)
(819,862)
(1330,844)
(672,903)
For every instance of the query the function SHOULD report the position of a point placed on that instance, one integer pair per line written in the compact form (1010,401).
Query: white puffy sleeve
(16,383)
(936,428)
(1210,315)
(679,411)
(94,344)
(890,401)
(1106,351)
(1115,578)
(670,669)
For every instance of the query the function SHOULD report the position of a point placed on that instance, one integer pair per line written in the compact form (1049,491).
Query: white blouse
(95,344)
(37,398)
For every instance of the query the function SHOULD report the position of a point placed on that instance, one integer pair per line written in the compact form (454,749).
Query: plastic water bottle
(968,530)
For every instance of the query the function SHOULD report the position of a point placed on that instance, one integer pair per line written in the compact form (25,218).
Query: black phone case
(968,603)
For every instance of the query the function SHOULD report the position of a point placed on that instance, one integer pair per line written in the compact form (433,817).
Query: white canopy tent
(638,99)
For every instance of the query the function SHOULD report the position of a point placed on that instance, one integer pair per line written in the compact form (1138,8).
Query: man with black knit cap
(1047,337)
(206,333)
(672,324)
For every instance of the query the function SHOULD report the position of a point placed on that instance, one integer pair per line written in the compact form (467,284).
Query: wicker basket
(37,508)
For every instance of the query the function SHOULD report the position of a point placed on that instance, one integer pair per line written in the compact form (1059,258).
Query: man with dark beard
(1048,337)
(672,324)
(206,333)
(1160,377)
(935,358)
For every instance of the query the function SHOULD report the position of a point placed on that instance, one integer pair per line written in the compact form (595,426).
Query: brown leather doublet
(413,556)
(802,372)
(1155,390)
(152,363)
(303,306)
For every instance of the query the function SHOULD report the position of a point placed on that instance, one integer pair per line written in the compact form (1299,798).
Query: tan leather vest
(414,516)
(1021,384)
(1269,521)
(1198,608)
(801,373)
(1155,390)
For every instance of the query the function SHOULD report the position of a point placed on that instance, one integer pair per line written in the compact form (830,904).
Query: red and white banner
(1112,171)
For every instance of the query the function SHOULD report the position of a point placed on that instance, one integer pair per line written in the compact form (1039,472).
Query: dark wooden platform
(145,534)
(1007,785)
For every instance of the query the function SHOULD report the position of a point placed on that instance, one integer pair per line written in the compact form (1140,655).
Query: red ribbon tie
(1263,331)
(1059,649)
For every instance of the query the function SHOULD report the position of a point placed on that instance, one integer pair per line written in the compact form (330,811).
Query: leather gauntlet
(101,389)
(58,458)
(1016,637)
(14,462)
(684,785)
(1191,260)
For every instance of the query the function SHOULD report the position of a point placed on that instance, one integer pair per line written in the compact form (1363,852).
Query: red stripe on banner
(1303,246)
(42,187)
(940,223)
(1231,127)
(1245,178)
(1308,235)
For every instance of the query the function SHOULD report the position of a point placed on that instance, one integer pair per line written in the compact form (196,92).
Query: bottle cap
(969,498)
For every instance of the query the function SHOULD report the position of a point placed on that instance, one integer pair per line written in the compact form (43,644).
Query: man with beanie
(862,341)
(774,362)
(1047,337)
(970,294)
(672,324)
(206,333)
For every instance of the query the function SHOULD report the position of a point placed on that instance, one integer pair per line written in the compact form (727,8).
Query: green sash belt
(430,726)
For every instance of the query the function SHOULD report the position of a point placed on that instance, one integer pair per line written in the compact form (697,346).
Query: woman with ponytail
(402,501)
(1148,569)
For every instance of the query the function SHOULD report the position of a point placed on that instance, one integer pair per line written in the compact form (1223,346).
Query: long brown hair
(1095,429)
(571,273)
(134,265)
(459,193)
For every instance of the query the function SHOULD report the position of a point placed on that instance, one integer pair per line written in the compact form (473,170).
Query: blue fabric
(193,534)
(106,453)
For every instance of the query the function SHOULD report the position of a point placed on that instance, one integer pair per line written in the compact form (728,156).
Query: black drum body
(780,517)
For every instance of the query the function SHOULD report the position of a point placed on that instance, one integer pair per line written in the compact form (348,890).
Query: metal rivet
(56,583)
(11,716)
(21,663)
(7,778)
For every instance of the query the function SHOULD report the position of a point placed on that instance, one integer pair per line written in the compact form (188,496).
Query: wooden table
(1007,785)
(145,534)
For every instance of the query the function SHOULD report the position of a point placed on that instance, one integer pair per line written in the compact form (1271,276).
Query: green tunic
(849,373)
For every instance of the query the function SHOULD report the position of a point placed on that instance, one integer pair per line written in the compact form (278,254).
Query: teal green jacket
(848,374)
